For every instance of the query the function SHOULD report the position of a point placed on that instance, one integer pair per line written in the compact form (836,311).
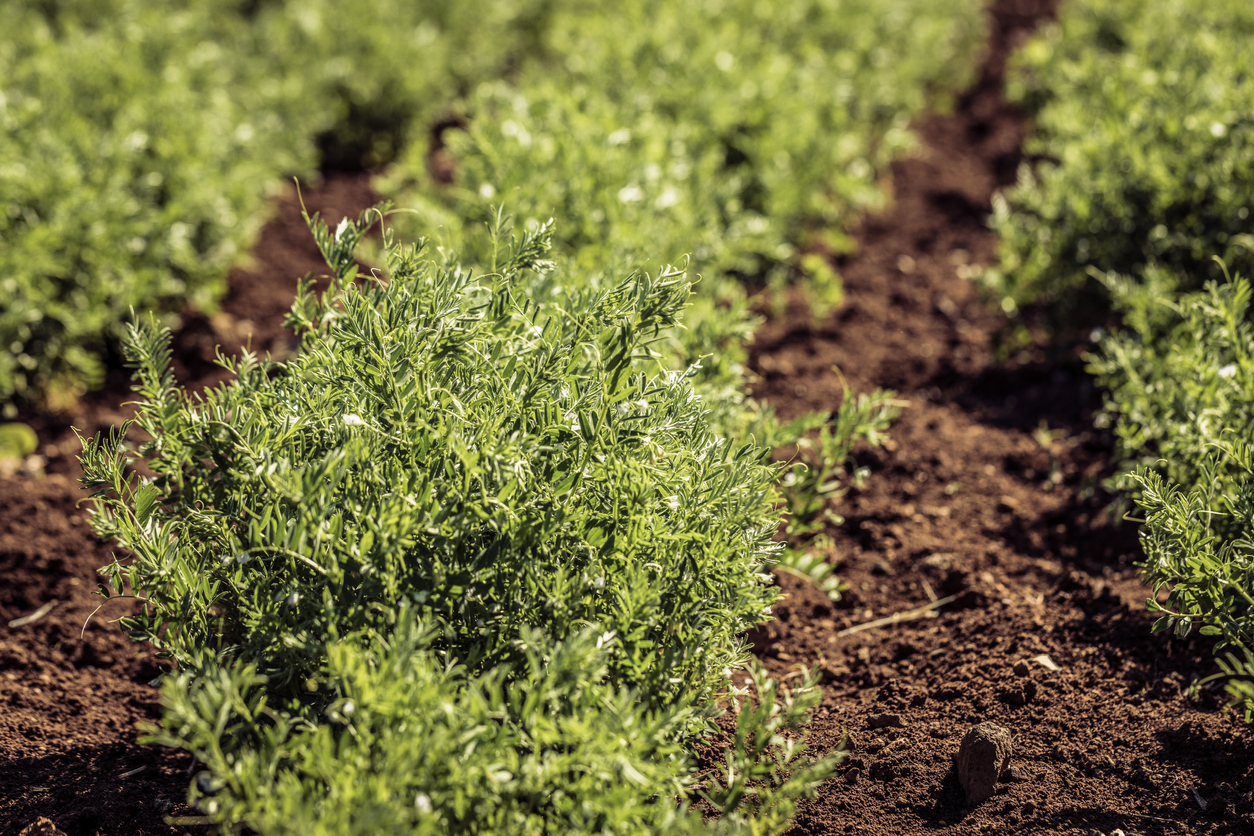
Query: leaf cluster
(1142,128)
(1180,397)
(468,563)
(416,743)
(443,440)
(1179,376)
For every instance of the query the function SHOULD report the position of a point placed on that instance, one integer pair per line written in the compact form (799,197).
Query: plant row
(138,145)
(745,136)
(1140,208)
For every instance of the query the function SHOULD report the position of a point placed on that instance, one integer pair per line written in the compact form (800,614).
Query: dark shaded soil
(989,491)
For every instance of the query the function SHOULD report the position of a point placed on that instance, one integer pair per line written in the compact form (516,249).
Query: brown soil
(989,490)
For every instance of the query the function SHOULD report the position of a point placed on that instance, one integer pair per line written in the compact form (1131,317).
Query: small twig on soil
(907,615)
(135,771)
(33,617)
(931,594)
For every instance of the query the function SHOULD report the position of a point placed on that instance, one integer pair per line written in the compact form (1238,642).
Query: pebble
(41,827)
(882,721)
(983,756)
(1045,662)
(852,775)
(1022,668)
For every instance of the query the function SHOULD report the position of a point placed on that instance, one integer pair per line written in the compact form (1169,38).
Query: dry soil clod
(41,827)
(983,756)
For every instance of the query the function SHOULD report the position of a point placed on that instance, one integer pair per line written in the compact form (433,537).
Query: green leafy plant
(1141,125)
(444,440)
(127,177)
(1179,376)
(467,563)
(1198,546)
(1181,402)
(820,474)
(414,742)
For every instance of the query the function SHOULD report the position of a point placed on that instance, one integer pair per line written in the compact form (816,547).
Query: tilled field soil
(989,491)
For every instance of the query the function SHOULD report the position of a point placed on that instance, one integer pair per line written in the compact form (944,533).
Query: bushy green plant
(444,440)
(524,480)
(1198,546)
(377,75)
(132,171)
(1180,398)
(1141,121)
(1179,375)
(412,742)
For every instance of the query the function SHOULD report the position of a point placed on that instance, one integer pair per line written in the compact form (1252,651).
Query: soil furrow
(990,490)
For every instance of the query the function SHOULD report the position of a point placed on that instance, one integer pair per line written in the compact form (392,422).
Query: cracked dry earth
(989,491)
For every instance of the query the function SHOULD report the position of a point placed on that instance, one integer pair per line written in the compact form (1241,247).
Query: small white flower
(293,599)
(340,230)
(486,191)
(241,558)
(354,420)
(422,803)
(1228,370)
(348,708)
(599,583)
(672,502)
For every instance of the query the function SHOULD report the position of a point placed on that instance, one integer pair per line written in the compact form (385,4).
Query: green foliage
(729,130)
(444,440)
(383,72)
(129,175)
(138,144)
(1179,376)
(413,742)
(820,474)
(1180,381)
(1198,546)
(812,481)
(524,480)
(1141,117)
(17,441)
